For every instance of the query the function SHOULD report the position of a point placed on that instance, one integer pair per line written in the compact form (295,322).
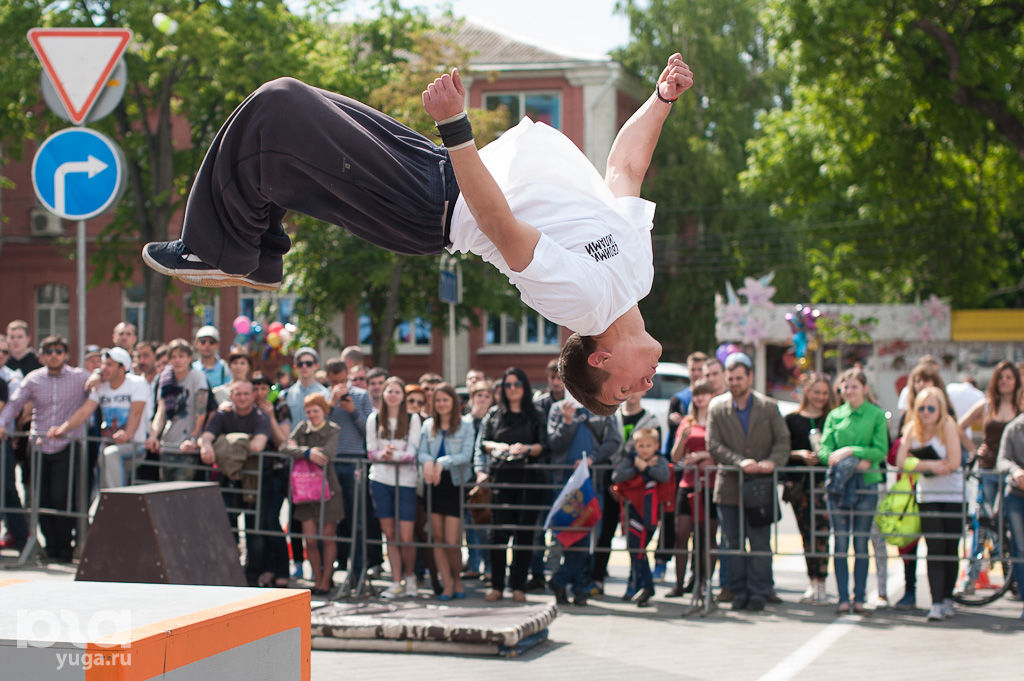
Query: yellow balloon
(274,340)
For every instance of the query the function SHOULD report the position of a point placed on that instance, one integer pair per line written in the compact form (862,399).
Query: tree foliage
(897,170)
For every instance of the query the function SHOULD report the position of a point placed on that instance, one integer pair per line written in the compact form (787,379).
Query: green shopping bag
(898,517)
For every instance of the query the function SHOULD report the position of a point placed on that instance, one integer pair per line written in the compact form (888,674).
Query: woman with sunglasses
(512,437)
(931,437)
(416,401)
(392,438)
(855,429)
(446,455)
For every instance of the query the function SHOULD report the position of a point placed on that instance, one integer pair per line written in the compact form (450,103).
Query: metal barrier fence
(79,493)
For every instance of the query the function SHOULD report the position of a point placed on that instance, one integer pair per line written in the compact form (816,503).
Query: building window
(524,333)
(267,308)
(205,306)
(133,307)
(541,107)
(411,337)
(53,312)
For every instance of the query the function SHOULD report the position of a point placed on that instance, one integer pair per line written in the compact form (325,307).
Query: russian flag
(575,507)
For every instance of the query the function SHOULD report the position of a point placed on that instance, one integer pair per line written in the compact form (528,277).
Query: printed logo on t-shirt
(603,248)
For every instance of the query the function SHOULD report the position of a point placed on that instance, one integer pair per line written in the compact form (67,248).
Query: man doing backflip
(577,246)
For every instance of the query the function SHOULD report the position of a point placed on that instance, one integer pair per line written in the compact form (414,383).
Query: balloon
(291,328)
(791,322)
(274,327)
(273,339)
(724,350)
(165,24)
(242,325)
(804,363)
(800,344)
(285,335)
(256,330)
(811,318)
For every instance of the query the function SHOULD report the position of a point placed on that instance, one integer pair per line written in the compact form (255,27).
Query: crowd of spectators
(409,468)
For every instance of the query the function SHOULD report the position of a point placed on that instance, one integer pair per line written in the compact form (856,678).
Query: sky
(579,28)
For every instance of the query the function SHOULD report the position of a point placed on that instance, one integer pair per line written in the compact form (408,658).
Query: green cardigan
(864,429)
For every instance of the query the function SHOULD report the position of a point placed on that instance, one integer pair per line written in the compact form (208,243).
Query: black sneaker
(174,259)
(266,277)
(579,599)
(561,594)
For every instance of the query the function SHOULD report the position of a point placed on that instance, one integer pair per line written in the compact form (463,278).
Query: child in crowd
(639,479)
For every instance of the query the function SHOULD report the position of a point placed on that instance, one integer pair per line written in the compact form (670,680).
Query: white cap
(119,355)
(208,332)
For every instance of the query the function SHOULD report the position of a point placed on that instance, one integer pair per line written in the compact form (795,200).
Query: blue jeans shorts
(384,501)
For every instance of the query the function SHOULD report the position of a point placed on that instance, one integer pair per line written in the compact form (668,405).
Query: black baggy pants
(292,147)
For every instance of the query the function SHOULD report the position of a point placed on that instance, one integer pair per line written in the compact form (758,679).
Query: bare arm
(514,239)
(633,147)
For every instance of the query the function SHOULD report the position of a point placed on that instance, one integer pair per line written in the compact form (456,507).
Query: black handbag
(760,501)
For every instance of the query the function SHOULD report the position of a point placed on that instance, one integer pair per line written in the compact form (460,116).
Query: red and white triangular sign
(78,62)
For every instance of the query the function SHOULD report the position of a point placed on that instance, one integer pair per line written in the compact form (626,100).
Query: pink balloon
(275,326)
(242,325)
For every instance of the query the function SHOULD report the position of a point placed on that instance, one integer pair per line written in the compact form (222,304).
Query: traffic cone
(982,582)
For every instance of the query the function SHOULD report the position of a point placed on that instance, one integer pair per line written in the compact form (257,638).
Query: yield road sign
(77,173)
(109,97)
(78,62)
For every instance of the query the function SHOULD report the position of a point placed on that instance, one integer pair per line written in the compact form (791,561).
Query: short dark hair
(375,372)
(336,366)
(54,340)
(552,367)
(181,345)
(584,382)
(259,378)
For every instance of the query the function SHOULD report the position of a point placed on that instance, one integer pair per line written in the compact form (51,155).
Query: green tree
(705,231)
(331,269)
(220,52)
(897,170)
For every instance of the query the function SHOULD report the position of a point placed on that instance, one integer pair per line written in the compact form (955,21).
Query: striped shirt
(56,398)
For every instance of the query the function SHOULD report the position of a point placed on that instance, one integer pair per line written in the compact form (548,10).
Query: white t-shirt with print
(115,404)
(593,261)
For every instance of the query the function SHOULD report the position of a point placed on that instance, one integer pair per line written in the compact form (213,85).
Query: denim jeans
(15,517)
(1013,510)
(749,576)
(856,520)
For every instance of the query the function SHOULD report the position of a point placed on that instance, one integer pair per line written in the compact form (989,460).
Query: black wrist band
(667,101)
(457,133)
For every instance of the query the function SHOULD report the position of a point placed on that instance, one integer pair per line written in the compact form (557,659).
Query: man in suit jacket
(745,429)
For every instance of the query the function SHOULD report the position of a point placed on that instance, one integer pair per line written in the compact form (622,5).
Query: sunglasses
(414,400)
(53,351)
(930,408)
(3,352)
(512,384)
(305,363)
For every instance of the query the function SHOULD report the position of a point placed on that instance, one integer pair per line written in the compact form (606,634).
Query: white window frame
(259,297)
(521,346)
(50,327)
(522,94)
(139,306)
(400,347)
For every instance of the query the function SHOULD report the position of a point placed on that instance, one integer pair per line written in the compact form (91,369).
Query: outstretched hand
(445,97)
(676,79)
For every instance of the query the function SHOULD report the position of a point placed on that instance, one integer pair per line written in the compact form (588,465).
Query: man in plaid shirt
(56,390)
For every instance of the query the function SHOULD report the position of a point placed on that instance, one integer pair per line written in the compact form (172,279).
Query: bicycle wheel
(985,572)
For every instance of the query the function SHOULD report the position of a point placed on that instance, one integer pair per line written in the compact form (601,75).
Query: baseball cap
(91,350)
(208,332)
(119,355)
(738,358)
(306,350)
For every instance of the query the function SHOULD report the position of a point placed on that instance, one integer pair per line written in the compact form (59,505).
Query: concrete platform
(95,631)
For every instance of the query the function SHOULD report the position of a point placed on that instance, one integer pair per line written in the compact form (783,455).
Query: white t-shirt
(593,261)
(115,404)
(936,488)
(402,470)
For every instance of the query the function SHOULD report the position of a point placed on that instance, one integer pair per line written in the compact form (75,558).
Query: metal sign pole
(80,267)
